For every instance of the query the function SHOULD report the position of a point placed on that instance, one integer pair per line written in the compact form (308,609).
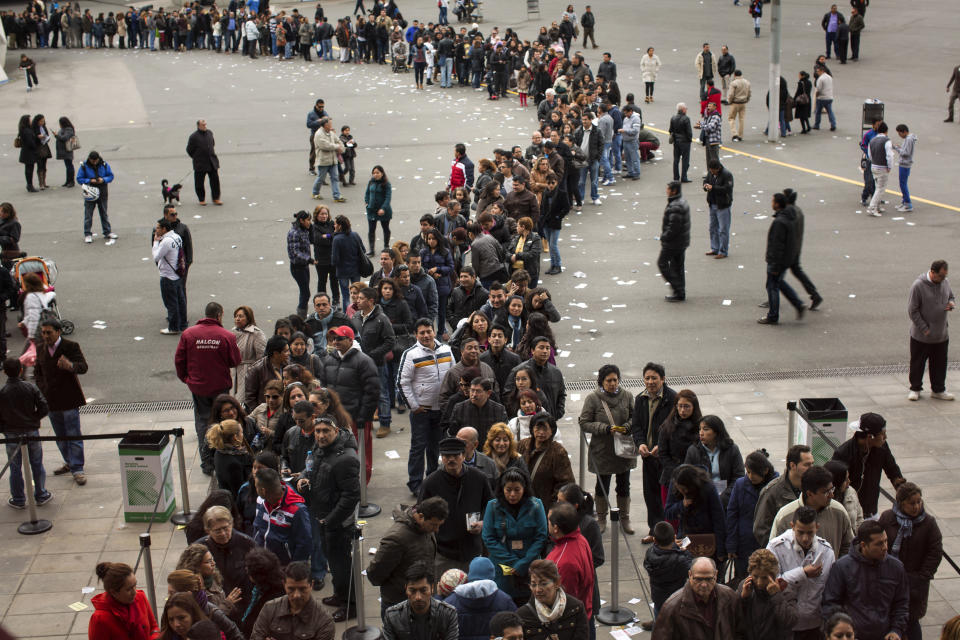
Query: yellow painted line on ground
(821,174)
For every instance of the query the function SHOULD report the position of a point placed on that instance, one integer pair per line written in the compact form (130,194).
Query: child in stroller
(399,54)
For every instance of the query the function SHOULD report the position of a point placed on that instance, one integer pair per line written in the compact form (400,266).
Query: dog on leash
(170,193)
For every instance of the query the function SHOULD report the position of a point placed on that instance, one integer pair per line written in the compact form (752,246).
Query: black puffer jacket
(334,489)
(398,312)
(675,231)
(355,378)
(375,334)
(668,570)
(404,544)
(781,239)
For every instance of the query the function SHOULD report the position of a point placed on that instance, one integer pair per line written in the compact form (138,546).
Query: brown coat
(920,554)
(60,386)
(276,621)
(552,473)
(680,617)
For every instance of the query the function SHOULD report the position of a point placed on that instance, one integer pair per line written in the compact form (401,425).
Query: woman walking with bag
(66,144)
(345,256)
(607,415)
(377,199)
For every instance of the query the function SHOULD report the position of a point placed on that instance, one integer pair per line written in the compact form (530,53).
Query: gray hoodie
(927,308)
(906,150)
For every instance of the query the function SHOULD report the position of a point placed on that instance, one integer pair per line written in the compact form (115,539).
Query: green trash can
(143,457)
(830,416)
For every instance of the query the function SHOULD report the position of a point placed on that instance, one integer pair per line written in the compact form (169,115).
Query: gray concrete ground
(138,109)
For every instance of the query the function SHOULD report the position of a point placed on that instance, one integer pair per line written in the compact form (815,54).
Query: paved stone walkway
(89,528)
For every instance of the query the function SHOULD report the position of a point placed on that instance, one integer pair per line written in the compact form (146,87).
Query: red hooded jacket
(204,357)
(574,560)
(112,620)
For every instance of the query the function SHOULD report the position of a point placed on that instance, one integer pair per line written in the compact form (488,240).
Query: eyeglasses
(546,584)
(220,530)
(702,579)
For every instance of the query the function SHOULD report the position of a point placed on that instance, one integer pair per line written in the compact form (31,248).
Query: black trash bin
(829,415)
(872,111)
(143,457)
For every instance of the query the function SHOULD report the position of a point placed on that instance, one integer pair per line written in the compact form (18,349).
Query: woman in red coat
(122,611)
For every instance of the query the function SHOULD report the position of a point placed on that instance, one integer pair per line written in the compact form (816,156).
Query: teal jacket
(514,541)
(377,197)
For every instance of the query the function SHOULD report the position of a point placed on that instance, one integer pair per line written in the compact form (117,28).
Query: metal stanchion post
(182,517)
(35,525)
(367,509)
(614,614)
(360,631)
(148,570)
(791,424)
(583,459)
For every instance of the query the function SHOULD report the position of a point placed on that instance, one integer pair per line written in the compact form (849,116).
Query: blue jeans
(175,300)
(477,76)
(552,235)
(605,161)
(776,285)
(301,274)
(593,169)
(719,230)
(345,289)
(425,435)
(633,158)
(318,561)
(446,71)
(67,423)
(273,44)
(831,37)
(153,40)
(88,40)
(288,51)
(904,176)
(35,453)
(615,150)
(443,16)
(334,181)
(327,47)
(101,205)
(387,372)
(821,105)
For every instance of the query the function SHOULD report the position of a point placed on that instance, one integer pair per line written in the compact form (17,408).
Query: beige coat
(699,64)
(834,524)
(593,420)
(251,341)
(650,67)
(739,92)
(328,145)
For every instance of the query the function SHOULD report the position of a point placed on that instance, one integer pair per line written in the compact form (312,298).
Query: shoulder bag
(623,444)
(366,267)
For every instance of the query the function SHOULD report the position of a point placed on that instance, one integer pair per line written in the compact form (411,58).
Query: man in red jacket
(205,354)
(572,555)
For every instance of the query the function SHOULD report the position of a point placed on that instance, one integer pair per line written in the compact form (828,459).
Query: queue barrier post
(583,458)
(182,517)
(614,614)
(360,631)
(791,423)
(367,509)
(35,525)
(148,570)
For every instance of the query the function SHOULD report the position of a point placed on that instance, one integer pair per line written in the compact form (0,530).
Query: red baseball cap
(342,331)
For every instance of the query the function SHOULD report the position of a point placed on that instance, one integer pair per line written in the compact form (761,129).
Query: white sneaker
(167,332)
(913,396)
(112,236)
(942,395)
(597,202)
(88,239)
(875,214)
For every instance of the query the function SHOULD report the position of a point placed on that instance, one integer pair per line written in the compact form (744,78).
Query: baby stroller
(464,10)
(399,54)
(47,270)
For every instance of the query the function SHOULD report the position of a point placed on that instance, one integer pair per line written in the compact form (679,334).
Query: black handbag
(366,267)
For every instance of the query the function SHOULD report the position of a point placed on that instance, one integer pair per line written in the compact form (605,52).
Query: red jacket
(204,357)
(574,560)
(112,620)
(713,96)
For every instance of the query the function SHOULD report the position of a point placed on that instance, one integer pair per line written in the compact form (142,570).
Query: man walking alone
(205,162)
(674,240)
(931,298)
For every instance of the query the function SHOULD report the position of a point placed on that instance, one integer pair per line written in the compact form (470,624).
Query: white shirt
(165,254)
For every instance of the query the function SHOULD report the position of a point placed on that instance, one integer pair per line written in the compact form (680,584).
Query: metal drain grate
(137,407)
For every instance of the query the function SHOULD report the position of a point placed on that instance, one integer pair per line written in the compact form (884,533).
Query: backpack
(180,268)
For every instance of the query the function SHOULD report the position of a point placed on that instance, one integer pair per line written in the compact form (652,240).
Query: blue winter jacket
(345,254)
(285,529)
(444,264)
(476,602)
(503,533)
(740,509)
(706,516)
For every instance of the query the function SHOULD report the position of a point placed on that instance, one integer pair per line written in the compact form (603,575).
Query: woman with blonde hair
(184,581)
(232,457)
(198,559)
(251,341)
(501,447)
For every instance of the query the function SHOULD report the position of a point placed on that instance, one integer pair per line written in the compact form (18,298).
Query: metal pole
(182,517)
(35,525)
(148,570)
(583,459)
(773,116)
(614,614)
(791,424)
(367,509)
(361,631)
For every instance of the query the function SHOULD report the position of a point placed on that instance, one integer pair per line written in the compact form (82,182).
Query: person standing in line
(739,96)
(880,154)
(298,251)
(205,354)
(831,26)
(781,253)
(63,135)
(589,22)
(726,65)
(313,124)
(856,26)
(706,65)
(719,187)
(931,298)
(649,68)
(954,92)
(824,87)
(205,163)
(674,240)
(651,408)
(96,174)
(630,131)
(167,246)
(59,362)
(22,406)
(906,151)
(681,135)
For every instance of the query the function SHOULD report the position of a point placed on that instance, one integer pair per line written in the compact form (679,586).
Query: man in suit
(59,362)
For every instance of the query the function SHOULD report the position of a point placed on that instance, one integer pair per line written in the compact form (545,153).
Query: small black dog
(170,193)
